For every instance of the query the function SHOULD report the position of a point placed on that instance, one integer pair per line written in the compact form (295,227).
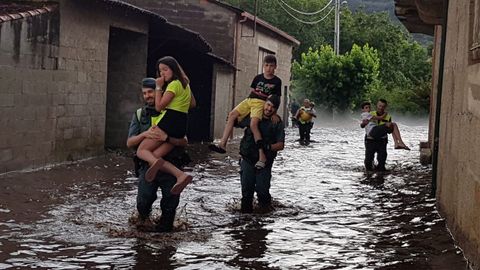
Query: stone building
(455,111)
(237,36)
(70,76)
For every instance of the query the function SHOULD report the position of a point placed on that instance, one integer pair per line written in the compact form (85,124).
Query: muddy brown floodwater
(328,213)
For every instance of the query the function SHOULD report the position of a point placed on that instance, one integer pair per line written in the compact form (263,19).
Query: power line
(303,21)
(307,13)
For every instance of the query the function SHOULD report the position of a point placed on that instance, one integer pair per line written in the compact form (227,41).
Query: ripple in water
(328,215)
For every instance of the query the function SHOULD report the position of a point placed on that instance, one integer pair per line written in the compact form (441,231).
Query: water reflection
(251,242)
(151,256)
(329,215)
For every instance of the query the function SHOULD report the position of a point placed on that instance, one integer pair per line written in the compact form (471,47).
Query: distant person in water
(294,106)
(377,131)
(305,116)
(376,139)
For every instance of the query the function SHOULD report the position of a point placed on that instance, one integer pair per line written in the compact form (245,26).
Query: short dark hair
(383,101)
(149,83)
(275,100)
(270,59)
(365,103)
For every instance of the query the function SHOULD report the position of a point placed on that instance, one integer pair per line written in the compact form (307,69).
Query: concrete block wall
(216,24)
(85,34)
(458,192)
(54,92)
(29,55)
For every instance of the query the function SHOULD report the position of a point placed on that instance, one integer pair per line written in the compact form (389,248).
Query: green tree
(336,82)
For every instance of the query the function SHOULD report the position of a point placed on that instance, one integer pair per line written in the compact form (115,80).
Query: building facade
(455,111)
(70,76)
(238,37)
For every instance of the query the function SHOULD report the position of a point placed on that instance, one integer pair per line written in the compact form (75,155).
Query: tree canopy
(337,81)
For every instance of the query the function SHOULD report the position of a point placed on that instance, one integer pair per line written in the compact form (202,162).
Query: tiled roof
(189,33)
(16,10)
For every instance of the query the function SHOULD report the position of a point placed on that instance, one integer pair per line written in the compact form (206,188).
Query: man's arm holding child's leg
(258,137)
(160,135)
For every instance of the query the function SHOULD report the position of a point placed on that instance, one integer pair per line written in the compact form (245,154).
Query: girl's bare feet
(182,182)
(152,171)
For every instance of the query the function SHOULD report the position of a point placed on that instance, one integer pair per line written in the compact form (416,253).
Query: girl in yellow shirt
(173,98)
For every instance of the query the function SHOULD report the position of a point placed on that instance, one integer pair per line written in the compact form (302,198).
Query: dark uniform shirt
(142,123)
(271,134)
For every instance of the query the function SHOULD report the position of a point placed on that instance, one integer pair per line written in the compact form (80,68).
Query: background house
(239,38)
(70,76)
(455,111)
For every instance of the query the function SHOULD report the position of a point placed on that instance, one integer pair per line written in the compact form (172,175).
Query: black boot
(165,224)
(246,206)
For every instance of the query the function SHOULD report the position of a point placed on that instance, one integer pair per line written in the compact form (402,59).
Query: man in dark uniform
(141,128)
(252,179)
(294,106)
(374,144)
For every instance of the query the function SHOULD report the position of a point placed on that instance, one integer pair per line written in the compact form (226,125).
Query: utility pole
(336,38)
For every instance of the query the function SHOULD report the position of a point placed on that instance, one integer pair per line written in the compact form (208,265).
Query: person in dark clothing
(378,144)
(294,106)
(253,179)
(140,128)
(305,116)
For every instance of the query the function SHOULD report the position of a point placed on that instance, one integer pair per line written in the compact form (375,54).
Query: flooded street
(328,214)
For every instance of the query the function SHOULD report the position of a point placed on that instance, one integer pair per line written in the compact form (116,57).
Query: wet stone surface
(328,214)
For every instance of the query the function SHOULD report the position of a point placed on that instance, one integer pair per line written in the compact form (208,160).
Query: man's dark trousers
(372,147)
(304,130)
(147,194)
(252,181)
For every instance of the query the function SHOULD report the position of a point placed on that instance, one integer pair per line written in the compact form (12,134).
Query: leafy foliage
(337,82)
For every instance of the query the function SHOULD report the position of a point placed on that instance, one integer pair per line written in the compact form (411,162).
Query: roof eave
(271,28)
(420,16)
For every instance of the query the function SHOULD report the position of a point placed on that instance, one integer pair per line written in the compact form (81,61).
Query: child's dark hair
(365,103)
(178,73)
(270,59)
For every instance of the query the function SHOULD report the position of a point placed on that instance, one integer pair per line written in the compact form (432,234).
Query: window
(261,54)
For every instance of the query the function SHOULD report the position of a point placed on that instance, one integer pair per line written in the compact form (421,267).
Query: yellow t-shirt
(306,117)
(183,96)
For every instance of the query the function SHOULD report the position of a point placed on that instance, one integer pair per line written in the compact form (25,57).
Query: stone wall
(458,190)
(53,84)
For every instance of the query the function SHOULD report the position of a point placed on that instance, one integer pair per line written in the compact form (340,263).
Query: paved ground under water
(328,213)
